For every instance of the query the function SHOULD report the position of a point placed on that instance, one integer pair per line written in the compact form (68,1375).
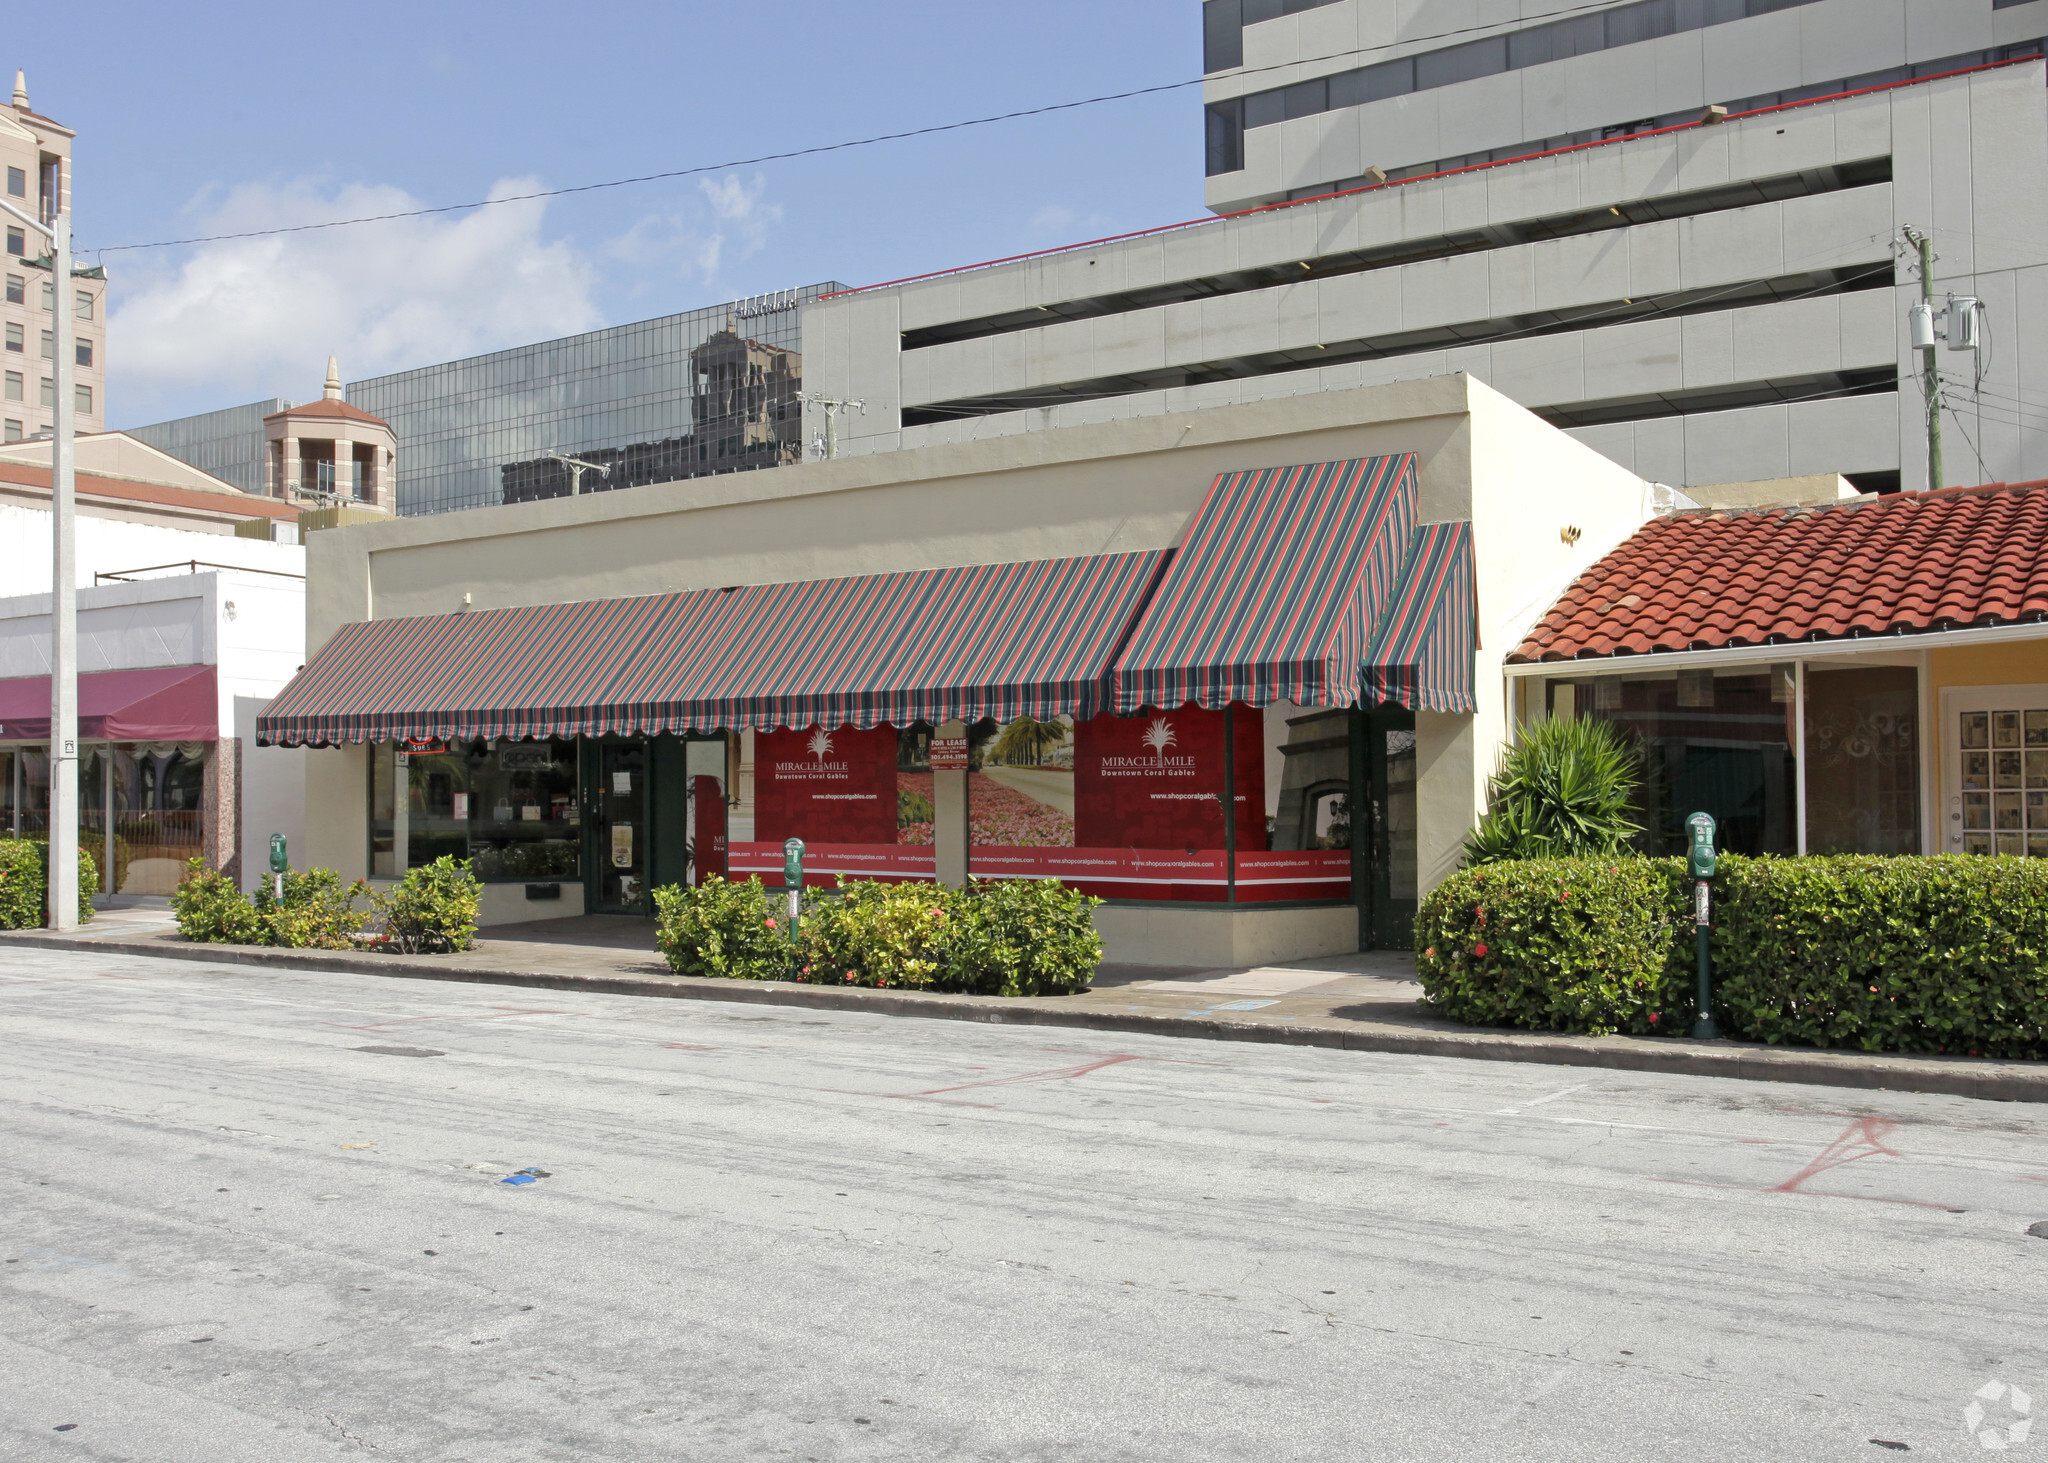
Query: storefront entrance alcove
(654,814)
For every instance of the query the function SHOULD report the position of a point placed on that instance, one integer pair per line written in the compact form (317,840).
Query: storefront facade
(173,670)
(1218,670)
(1864,678)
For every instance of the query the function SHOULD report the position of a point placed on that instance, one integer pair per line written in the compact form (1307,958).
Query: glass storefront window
(1863,760)
(861,799)
(35,789)
(158,789)
(509,806)
(1304,821)
(1712,742)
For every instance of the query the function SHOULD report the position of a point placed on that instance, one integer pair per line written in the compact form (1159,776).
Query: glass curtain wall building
(706,391)
(227,443)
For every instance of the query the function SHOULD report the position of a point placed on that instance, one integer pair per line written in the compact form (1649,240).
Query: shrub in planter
(721,928)
(25,883)
(433,909)
(317,912)
(1584,945)
(1023,937)
(877,934)
(1946,954)
(210,909)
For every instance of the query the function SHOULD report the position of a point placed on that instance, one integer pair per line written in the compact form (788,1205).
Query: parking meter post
(1700,861)
(793,880)
(280,861)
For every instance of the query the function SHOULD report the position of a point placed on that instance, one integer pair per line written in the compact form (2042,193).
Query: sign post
(279,862)
(793,879)
(1701,864)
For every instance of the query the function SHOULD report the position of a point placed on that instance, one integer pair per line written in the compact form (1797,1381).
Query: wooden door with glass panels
(1996,771)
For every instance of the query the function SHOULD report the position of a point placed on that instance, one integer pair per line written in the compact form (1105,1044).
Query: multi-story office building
(1673,227)
(704,391)
(228,443)
(35,158)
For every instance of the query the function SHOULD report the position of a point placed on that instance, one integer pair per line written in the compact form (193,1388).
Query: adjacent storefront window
(1725,743)
(1309,818)
(1720,744)
(510,806)
(1863,760)
(2001,802)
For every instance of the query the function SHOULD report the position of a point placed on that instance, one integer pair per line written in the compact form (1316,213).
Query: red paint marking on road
(1324,1101)
(1863,1138)
(678,1046)
(501,1013)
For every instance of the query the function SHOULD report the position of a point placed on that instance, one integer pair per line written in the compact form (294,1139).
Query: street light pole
(63,832)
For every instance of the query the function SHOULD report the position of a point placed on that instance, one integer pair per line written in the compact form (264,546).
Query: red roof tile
(326,408)
(1907,562)
(226,506)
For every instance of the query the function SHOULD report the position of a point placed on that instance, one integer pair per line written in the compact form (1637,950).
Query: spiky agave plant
(1564,790)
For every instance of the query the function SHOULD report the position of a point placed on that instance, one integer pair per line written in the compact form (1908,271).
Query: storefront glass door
(618,827)
(1384,860)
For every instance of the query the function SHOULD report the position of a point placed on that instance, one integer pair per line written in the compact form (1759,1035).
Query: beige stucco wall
(1544,507)
(1111,487)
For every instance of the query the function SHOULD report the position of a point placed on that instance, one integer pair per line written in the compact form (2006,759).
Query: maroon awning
(172,703)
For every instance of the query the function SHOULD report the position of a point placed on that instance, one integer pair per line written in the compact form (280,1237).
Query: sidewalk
(1364,1002)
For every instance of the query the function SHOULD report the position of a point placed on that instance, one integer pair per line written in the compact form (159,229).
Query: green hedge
(317,912)
(1585,945)
(25,883)
(1946,954)
(1007,938)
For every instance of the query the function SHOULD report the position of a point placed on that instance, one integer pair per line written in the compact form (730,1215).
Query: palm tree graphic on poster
(820,744)
(1159,736)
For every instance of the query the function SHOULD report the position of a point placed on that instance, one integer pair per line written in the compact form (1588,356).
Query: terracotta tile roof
(226,506)
(1907,562)
(326,408)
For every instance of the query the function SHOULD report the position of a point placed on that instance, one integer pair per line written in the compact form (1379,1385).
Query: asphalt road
(246,1218)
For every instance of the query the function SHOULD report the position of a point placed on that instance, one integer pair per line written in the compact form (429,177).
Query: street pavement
(262,1214)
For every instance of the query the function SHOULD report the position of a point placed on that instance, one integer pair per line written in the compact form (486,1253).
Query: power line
(821,148)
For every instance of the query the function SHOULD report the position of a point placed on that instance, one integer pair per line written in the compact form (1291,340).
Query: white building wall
(250,626)
(112,545)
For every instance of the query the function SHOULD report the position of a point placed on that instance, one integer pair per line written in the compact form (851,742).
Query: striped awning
(536,671)
(1276,588)
(985,640)
(1000,640)
(1428,635)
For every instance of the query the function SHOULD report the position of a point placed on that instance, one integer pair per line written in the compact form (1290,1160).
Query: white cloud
(246,318)
(684,245)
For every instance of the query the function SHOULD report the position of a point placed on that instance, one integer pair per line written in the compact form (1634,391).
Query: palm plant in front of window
(1564,790)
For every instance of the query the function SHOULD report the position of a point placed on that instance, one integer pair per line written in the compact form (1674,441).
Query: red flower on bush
(1653,1018)
(771,924)
(1430,953)
(1480,949)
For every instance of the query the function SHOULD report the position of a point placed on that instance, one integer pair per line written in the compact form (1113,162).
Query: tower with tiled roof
(330,452)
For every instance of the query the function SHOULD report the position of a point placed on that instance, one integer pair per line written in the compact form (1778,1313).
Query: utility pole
(1921,334)
(577,467)
(63,843)
(833,406)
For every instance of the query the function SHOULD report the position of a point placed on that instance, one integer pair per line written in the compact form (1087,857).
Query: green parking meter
(793,879)
(279,862)
(1700,863)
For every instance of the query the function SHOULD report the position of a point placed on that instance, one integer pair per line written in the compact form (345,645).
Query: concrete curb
(1990,1080)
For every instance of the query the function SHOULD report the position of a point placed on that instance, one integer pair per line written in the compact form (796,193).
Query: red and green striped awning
(1276,588)
(984,640)
(1000,640)
(1428,636)
(535,671)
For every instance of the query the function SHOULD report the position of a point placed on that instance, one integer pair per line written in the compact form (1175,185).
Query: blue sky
(197,119)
